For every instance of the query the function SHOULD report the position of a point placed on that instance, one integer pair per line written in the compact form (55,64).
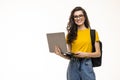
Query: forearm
(87,55)
(64,56)
(93,54)
(59,53)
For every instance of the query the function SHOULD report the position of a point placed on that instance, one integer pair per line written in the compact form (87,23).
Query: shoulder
(94,30)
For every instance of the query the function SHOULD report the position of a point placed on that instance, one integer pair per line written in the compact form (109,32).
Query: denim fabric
(80,69)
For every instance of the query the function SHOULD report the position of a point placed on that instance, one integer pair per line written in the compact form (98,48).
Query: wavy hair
(72,27)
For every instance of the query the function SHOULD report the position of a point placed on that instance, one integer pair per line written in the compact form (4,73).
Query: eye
(78,16)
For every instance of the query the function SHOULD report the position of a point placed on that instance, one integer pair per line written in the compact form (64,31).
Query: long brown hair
(72,27)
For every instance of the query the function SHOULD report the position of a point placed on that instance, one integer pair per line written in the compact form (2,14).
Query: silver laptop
(57,39)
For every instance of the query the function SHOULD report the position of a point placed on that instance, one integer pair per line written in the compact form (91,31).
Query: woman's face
(79,17)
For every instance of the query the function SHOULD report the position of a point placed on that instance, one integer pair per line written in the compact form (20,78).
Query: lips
(79,21)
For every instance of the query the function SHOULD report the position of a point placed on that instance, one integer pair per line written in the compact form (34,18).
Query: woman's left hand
(81,54)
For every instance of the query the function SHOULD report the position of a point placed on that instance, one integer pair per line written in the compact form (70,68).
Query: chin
(79,24)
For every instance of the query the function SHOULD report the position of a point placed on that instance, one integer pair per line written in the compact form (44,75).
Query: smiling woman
(24,53)
(79,43)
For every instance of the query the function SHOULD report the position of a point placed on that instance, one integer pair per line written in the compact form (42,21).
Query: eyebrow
(78,15)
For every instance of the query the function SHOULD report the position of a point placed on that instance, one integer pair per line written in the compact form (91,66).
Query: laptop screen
(57,39)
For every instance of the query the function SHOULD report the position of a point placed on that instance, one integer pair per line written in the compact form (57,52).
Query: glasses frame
(78,16)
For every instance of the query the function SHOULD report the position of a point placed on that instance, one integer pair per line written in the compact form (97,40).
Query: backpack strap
(92,34)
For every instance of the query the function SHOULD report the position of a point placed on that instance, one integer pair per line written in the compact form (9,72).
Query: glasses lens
(78,16)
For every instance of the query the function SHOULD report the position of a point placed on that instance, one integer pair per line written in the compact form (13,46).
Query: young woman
(79,43)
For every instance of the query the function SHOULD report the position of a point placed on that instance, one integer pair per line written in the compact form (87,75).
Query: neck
(81,27)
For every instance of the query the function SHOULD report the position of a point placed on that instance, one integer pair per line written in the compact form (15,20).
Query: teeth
(78,21)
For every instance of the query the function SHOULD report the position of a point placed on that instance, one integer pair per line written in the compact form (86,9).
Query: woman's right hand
(57,50)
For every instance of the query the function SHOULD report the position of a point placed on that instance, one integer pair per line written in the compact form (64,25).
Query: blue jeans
(80,69)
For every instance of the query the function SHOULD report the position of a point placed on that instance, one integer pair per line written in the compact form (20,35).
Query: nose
(78,17)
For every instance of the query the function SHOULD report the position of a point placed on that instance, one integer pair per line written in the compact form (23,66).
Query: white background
(24,53)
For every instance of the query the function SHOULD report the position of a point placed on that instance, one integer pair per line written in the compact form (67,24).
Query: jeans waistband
(80,59)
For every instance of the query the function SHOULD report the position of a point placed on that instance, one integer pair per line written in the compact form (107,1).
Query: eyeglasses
(78,16)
